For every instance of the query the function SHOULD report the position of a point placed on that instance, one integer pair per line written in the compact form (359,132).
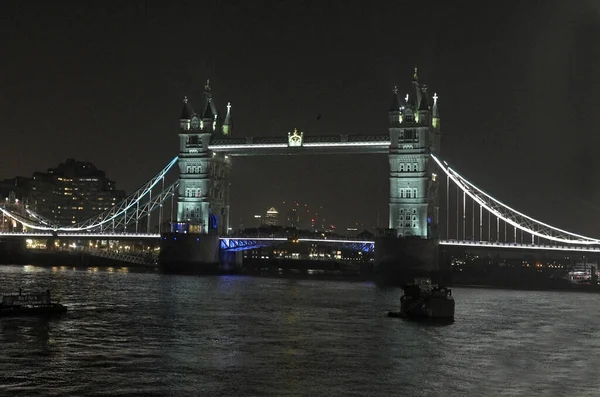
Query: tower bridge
(192,214)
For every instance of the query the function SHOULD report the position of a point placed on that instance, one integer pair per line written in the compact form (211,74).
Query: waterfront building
(71,192)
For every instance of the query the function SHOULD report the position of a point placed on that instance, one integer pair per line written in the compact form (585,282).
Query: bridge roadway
(238,243)
(298,143)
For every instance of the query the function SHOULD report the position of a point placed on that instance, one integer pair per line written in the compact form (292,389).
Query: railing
(142,259)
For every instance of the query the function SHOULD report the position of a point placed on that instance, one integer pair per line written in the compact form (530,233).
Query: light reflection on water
(141,333)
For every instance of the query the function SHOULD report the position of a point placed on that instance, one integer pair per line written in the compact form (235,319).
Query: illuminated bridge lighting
(539,247)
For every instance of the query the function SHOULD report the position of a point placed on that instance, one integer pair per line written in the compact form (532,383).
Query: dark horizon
(517,87)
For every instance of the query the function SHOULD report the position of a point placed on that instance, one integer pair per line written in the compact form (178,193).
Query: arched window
(401,167)
(414,193)
(408,168)
(415,167)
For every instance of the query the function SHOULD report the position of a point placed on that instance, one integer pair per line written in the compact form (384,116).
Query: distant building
(293,218)
(72,192)
(271,217)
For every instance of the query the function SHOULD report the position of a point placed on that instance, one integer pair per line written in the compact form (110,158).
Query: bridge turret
(424,112)
(186,115)
(209,115)
(227,123)
(436,114)
(395,111)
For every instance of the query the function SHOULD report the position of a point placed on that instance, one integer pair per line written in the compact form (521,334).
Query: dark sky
(518,84)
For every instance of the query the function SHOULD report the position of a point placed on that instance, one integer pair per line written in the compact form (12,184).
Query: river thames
(144,334)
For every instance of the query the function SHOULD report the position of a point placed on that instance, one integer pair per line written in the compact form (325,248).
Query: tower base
(399,260)
(182,253)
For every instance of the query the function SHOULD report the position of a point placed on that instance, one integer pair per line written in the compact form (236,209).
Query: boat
(423,300)
(19,304)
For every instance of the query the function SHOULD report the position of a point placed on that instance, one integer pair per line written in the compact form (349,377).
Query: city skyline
(504,125)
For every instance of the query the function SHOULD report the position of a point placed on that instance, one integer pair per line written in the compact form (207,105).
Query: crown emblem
(295,138)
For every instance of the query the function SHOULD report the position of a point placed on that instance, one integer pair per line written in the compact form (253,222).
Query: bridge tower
(409,247)
(203,193)
(414,134)
(203,196)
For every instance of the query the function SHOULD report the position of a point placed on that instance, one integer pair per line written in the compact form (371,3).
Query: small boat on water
(20,304)
(423,300)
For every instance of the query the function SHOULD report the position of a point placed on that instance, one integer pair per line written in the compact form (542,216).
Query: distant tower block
(414,134)
(272,217)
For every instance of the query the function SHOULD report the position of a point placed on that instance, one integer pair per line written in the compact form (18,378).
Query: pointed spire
(395,106)
(424,105)
(436,112)
(417,97)
(186,111)
(227,124)
(208,102)
(208,112)
(207,90)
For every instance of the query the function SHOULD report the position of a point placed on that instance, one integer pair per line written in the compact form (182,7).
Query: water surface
(140,333)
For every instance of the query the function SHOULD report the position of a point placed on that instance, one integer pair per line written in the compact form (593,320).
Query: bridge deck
(332,144)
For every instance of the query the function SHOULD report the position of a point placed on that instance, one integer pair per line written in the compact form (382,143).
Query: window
(414,193)
(408,168)
(415,167)
(401,167)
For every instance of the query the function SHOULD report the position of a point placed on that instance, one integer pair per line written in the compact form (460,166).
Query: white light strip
(320,240)
(25,234)
(499,215)
(248,146)
(484,244)
(327,240)
(520,213)
(30,225)
(382,144)
(83,235)
(254,239)
(346,144)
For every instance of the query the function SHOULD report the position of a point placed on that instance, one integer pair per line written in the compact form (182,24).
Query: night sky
(518,85)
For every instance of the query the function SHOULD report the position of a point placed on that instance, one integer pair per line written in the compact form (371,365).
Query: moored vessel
(20,304)
(423,300)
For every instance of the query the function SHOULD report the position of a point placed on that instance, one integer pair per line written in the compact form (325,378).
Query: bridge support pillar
(12,250)
(399,260)
(183,253)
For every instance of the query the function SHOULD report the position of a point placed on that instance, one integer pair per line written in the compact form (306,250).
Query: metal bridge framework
(481,220)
